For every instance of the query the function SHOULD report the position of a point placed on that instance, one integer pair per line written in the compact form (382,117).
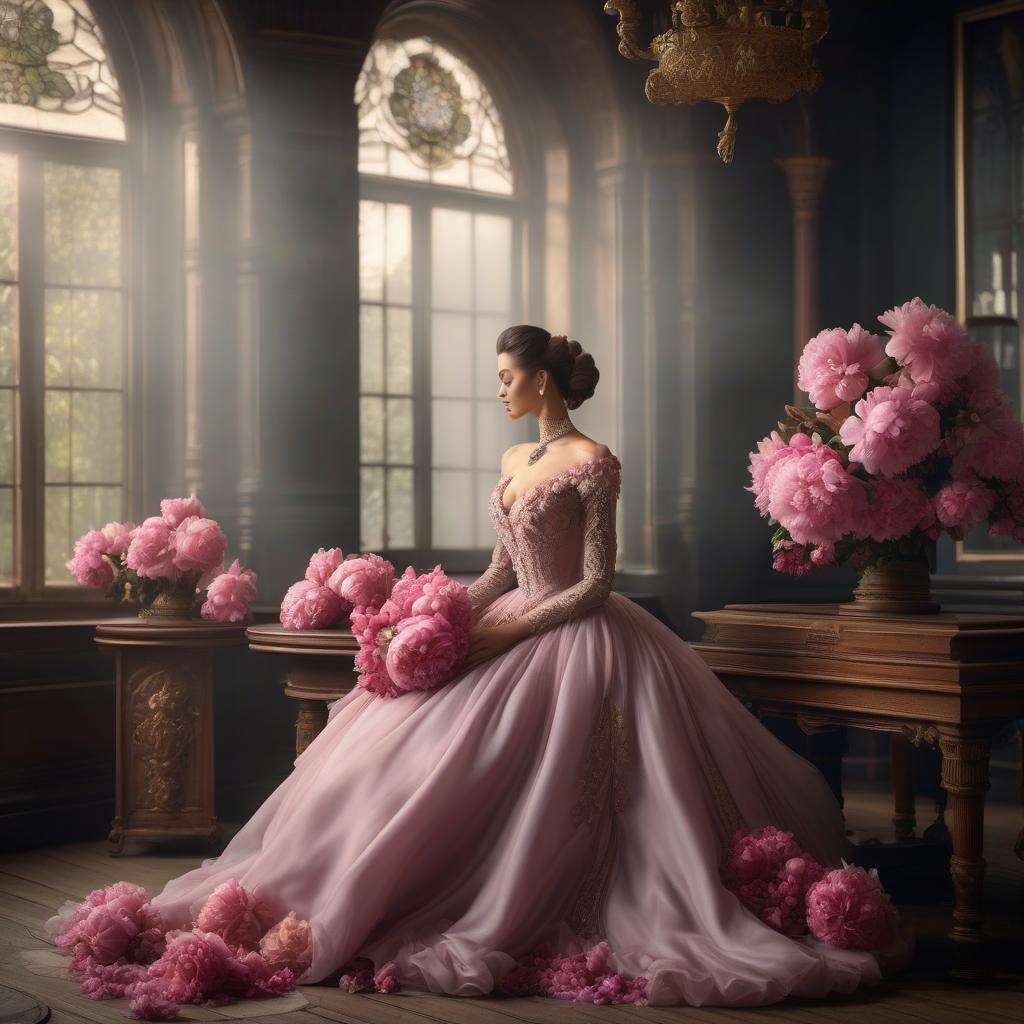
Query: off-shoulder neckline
(576,467)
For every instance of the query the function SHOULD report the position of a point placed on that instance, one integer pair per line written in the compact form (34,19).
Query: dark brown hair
(571,368)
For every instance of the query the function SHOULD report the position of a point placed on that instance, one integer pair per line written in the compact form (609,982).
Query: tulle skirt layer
(580,787)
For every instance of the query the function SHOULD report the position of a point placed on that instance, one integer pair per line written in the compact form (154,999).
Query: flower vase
(896,586)
(172,606)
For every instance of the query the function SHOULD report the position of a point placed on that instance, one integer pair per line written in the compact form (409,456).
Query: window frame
(422,198)
(32,150)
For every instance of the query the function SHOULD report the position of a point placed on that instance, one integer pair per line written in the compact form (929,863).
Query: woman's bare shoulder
(586,449)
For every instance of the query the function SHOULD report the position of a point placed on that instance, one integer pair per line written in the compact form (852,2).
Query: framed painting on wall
(989,135)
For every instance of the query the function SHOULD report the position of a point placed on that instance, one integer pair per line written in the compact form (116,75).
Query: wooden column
(164,723)
(805,176)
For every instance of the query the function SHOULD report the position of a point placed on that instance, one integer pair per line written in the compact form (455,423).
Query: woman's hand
(486,642)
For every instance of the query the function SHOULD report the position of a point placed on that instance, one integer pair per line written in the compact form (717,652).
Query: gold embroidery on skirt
(600,785)
(728,812)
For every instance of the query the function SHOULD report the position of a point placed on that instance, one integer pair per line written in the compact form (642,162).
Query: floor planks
(34,883)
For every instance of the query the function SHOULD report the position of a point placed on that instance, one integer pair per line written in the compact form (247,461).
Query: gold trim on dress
(600,786)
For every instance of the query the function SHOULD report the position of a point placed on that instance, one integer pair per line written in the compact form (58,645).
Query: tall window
(440,278)
(63,356)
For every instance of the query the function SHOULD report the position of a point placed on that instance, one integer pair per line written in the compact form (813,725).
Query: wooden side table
(164,737)
(953,680)
(320,668)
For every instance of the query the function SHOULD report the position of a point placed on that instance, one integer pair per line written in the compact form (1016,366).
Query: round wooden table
(320,668)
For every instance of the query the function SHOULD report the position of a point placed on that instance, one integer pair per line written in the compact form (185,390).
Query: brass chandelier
(728,52)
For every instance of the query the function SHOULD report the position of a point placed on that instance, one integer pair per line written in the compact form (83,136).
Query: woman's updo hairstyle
(571,368)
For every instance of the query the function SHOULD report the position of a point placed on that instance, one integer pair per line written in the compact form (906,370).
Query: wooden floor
(32,884)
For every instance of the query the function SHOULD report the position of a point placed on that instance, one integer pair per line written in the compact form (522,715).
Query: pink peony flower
(897,507)
(442,596)
(386,979)
(425,653)
(792,558)
(771,875)
(307,605)
(405,591)
(363,581)
(119,536)
(238,916)
(153,1006)
(584,977)
(814,497)
(890,431)
(770,451)
(289,944)
(1008,516)
(112,981)
(322,563)
(836,365)
(175,511)
(88,564)
(357,976)
(824,554)
(981,385)
(195,966)
(848,909)
(229,596)
(151,551)
(374,631)
(199,545)
(961,504)
(993,449)
(928,342)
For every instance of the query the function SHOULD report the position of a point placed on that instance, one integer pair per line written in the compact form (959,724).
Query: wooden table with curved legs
(953,680)
(320,668)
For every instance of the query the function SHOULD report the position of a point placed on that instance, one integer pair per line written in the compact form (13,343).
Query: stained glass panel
(55,75)
(425,115)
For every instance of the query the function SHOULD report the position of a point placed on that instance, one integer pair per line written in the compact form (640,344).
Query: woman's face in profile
(517,388)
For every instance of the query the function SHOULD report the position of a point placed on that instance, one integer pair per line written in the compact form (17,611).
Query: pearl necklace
(550,430)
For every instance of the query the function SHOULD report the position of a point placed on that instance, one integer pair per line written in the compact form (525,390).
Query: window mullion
(31,338)
(422,447)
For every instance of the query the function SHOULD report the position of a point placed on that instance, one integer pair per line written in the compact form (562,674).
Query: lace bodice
(557,541)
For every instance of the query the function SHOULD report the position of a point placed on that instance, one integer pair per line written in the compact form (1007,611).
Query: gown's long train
(580,787)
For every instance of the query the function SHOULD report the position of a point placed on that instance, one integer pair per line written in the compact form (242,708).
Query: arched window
(440,238)
(63,350)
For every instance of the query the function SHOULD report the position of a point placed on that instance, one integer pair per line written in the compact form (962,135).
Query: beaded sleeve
(598,493)
(496,579)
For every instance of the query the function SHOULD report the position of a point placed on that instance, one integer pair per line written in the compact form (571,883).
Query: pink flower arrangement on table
(902,443)
(120,947)
(413,633)
(789,891)
(180,550)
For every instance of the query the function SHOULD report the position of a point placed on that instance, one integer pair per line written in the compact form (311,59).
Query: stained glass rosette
(55,75)
(425,115)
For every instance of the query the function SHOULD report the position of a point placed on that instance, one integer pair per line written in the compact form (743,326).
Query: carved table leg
(116,839)
(311,719)
(904,817)
(965,768)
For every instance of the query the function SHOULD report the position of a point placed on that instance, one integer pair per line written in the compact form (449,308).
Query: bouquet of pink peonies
(413,633)
(334,585)
(173,556)
(901,444)
(417,639)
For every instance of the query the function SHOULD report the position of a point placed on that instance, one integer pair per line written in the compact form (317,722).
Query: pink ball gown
(580,787)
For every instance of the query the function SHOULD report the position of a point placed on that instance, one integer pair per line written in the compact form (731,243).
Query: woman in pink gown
(577,783)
